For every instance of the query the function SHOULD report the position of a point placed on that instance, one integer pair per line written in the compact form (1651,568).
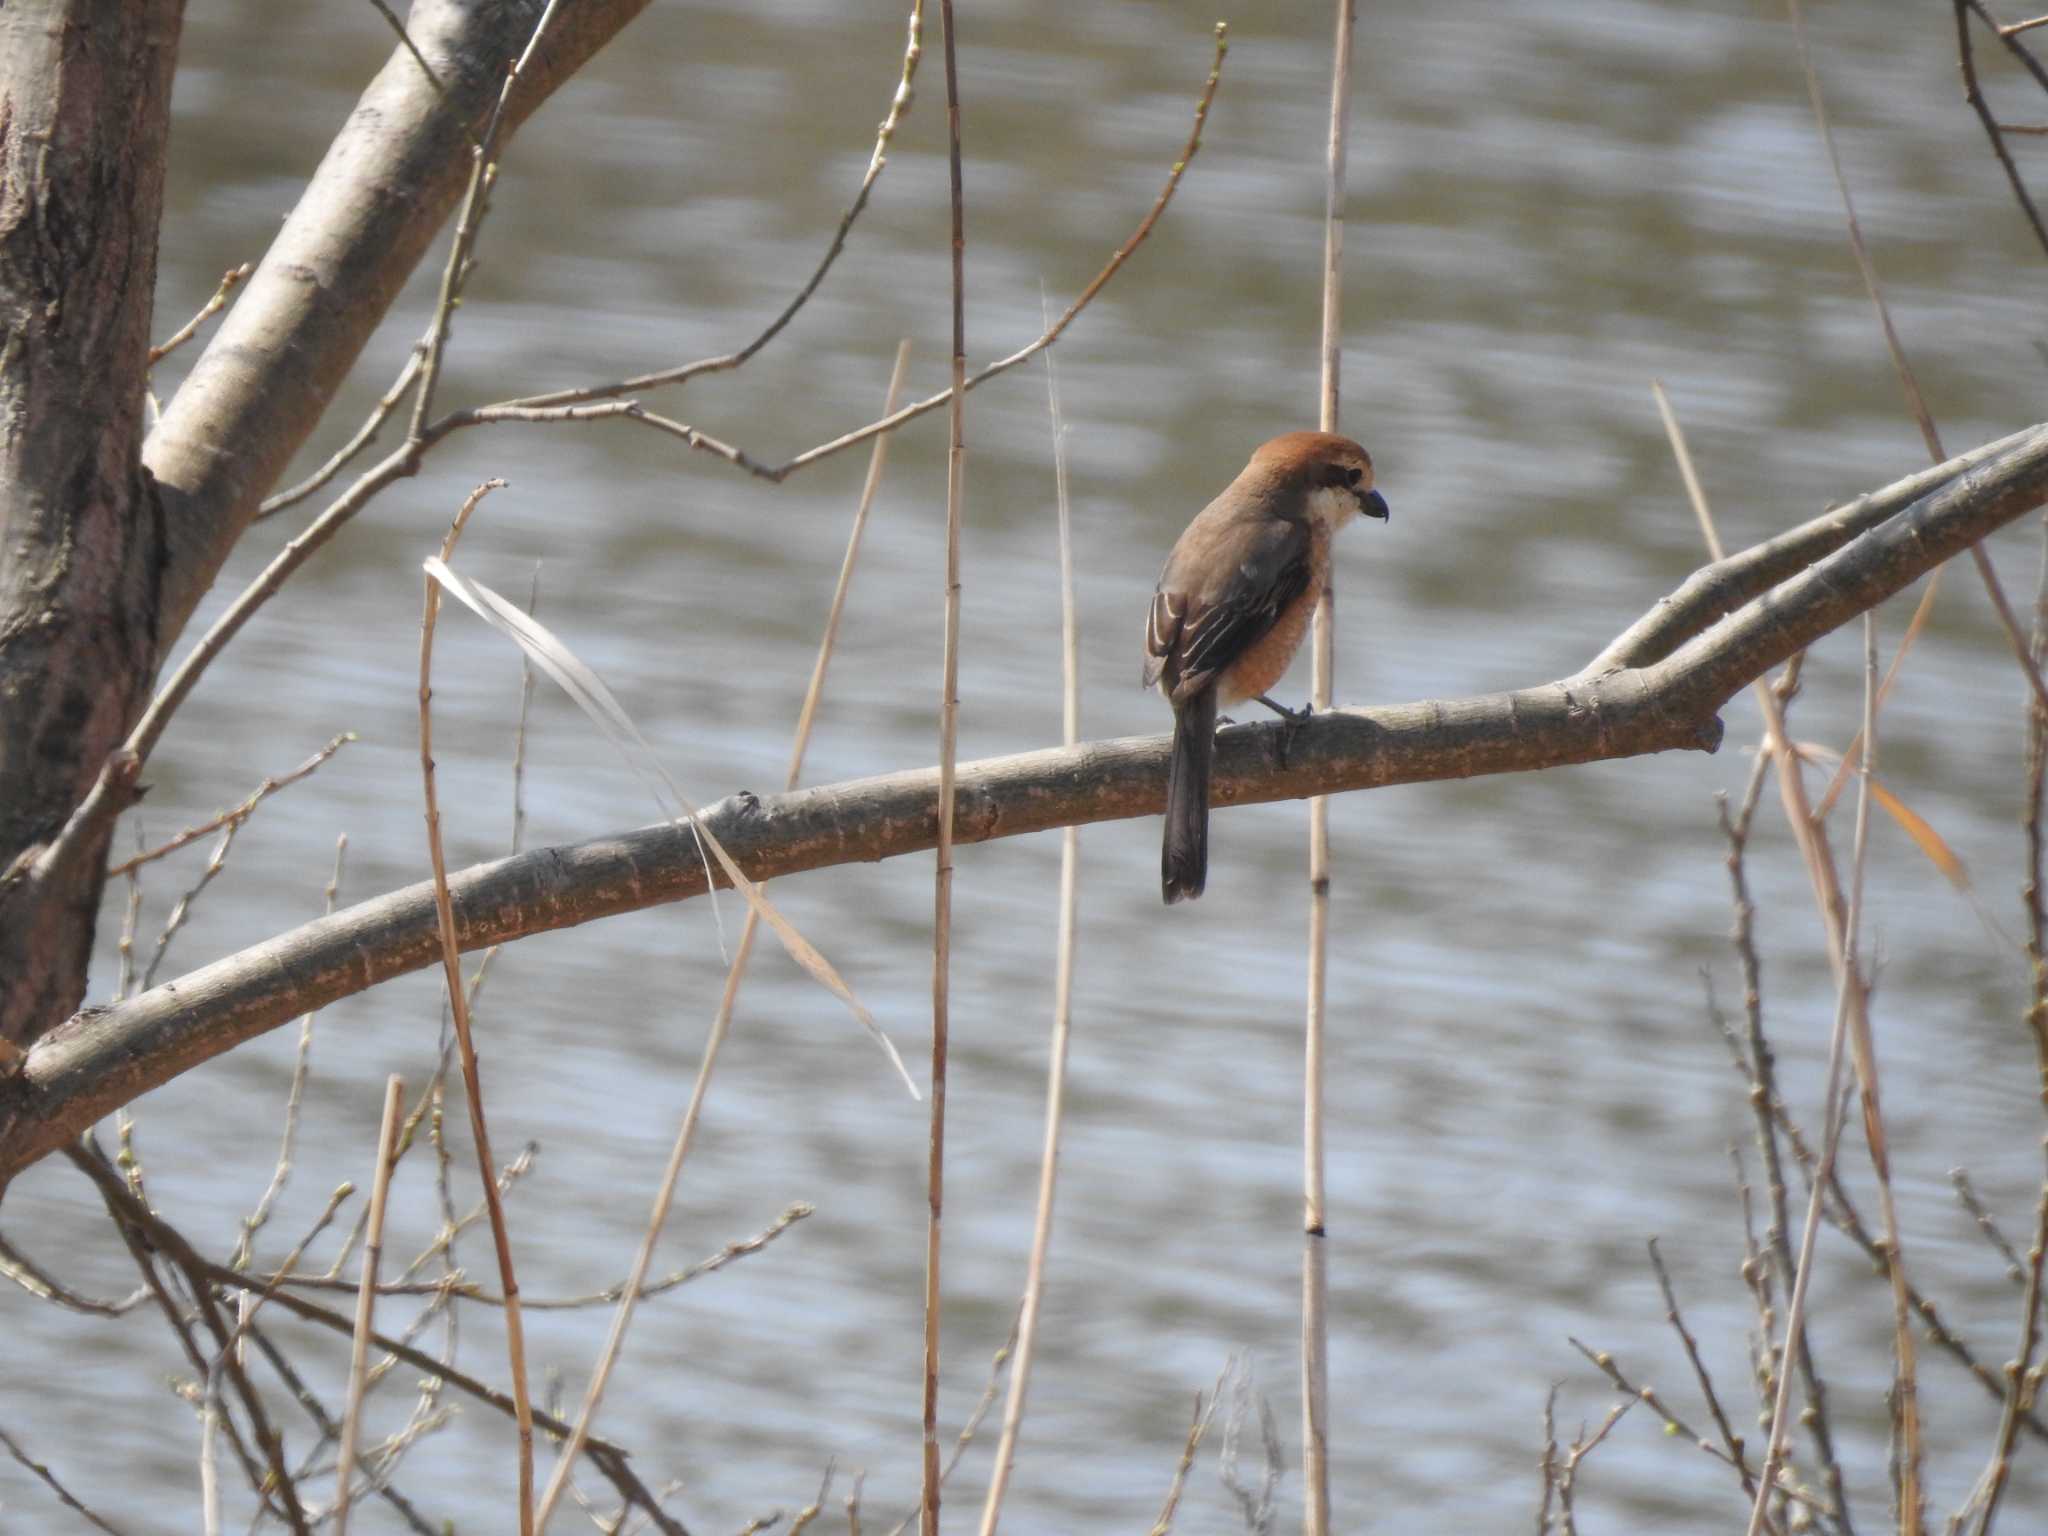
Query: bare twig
(1581,1448)
(294,1097)
(1987,1224)
(1729,1438)
(990,1390)
(239,814)
(411,47)
(899,105)
(33,1278)
(49,1478)
(778,473)
(1247,1403)
(1730,1454)
(1204,1412)
(1548,1466)
(1973,93)
(146,1235)
(229,281)
(366,434)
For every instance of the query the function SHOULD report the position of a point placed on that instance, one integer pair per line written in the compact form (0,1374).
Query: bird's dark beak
(1375,505)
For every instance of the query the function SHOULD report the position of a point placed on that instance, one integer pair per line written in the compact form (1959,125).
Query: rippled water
(1551,204)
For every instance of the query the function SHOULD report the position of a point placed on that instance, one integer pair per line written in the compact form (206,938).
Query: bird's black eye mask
(1339,476)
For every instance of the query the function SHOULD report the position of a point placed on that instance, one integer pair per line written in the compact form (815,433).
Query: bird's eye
(1351,476)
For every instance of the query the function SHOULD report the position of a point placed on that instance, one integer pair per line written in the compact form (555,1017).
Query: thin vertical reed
(942,878)
(458,1008)
(1315,1381)
(1063,989)
(366,1297)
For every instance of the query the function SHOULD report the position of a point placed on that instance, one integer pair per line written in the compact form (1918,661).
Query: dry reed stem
(635,1284)
(1315,1279)
(1063,989)
(949,721)
(991,1389)
(366,1298)
(515,1333)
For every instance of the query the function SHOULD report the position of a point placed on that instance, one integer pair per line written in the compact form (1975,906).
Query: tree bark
(85,90)
(1847,560)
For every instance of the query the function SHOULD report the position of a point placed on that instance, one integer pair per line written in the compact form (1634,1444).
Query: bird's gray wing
(1221,598)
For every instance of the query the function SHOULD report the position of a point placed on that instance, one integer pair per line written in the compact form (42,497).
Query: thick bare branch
(1714,591)
(388,183)
(103,1058)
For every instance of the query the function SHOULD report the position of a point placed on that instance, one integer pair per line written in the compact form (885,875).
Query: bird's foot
(1291,716)
(1294,720)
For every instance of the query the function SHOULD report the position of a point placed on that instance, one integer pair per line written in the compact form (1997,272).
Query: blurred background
(1550,205)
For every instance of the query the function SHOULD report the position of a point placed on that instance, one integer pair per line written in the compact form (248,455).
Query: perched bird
(1233,602)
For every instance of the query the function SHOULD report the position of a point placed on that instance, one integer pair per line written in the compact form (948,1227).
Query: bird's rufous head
(1331,474)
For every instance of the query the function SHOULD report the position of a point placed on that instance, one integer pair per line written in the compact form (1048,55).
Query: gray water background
(1550,205)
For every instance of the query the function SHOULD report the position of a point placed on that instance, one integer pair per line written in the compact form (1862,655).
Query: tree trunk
(85,89)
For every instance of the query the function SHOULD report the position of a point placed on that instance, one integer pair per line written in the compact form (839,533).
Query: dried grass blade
(591,695)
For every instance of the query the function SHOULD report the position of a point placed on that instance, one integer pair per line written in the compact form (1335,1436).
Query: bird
(1232,604)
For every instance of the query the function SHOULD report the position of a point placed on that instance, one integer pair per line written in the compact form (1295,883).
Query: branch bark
(103,1058)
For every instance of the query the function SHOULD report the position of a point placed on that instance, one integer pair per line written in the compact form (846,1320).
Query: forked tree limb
(104,1058)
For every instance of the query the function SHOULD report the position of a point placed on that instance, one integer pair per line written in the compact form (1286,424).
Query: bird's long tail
(1184,856)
